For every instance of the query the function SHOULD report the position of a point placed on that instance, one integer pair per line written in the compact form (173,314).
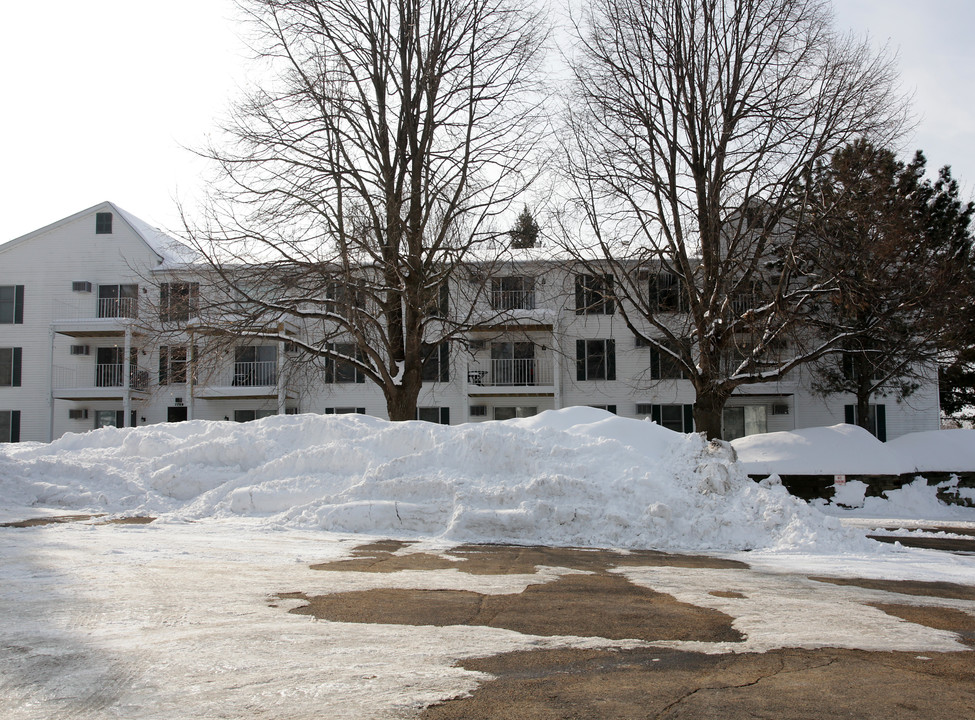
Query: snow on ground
(179,618)
(578,476)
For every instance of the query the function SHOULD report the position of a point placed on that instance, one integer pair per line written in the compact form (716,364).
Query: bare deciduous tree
(366,173)
(692,126)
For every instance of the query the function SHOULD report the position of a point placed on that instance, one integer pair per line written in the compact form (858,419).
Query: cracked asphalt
(656,682)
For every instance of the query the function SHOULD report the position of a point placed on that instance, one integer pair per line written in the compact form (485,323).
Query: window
(439,305)
(9,426)
(343,371)
(178,302)
(81,286)
(515,292)
(441,415)
(594,295)
(478,410)
(667,293)
(513,363)
(118,301)
(248,415)
(10,366)
(595,359)
(746,420)
(607,408)
(173,362)
(342,297)
(436,362)
(509,413)
(110,367)
(876,419)
(103,223)
(112,418)
(12,304)
(344,411)
(664,366)
(679,418)
(254,366)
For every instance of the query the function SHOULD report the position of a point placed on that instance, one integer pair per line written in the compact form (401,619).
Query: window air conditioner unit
(79,414)
(80,350)
(81,286)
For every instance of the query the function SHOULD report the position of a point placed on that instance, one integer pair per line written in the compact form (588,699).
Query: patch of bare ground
(52,520)
(599,605)
(952,591)
(388,556)
(596,604)
(134,520)
(955,621)
(658,683)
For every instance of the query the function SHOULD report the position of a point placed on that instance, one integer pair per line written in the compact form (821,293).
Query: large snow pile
(578,476)
(851,450)
(836,450)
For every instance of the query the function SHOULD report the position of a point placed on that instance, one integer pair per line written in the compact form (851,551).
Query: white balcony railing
(255,374)
(118,307)
(513,299)
(113,375)
(501,373)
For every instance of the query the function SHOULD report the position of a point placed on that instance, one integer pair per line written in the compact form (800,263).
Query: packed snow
(579,476)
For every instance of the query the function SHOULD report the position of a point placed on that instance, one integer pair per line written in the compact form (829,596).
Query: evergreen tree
(901,246)
(525,232)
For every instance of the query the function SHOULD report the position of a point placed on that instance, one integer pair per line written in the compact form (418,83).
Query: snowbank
(836,450)
(578,476)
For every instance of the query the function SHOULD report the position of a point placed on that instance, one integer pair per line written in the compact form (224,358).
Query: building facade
(77,298)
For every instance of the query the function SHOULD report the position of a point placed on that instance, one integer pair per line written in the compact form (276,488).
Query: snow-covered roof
(170,251)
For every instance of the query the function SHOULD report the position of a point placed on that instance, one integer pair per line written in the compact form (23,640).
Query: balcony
(515,376)
(242,379)
(109,383)
(118,307)
(96,317)
(513,299)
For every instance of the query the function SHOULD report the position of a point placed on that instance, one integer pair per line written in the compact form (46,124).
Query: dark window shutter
(882,423)
(15,426)
(610,359)
(611,408)
(19,305)
(17,362)
(688,418)
(609,290)
(444,299)
(580,359)
(655,414)
(445,363)
(163,365)
(851,414)
(654,364)
(445,416)
(164,302)
(653,294)
(580,295)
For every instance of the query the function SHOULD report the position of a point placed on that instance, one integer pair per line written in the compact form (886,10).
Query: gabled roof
(169,250)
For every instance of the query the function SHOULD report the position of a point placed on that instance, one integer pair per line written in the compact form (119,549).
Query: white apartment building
(74,354)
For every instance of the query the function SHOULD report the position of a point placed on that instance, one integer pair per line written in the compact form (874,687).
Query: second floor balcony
(510,373)
(108,382)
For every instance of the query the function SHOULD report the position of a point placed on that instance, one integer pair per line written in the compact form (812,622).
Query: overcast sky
(102,96)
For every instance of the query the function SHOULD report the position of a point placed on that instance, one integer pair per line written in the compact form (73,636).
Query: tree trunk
(709,411)
(401,399)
